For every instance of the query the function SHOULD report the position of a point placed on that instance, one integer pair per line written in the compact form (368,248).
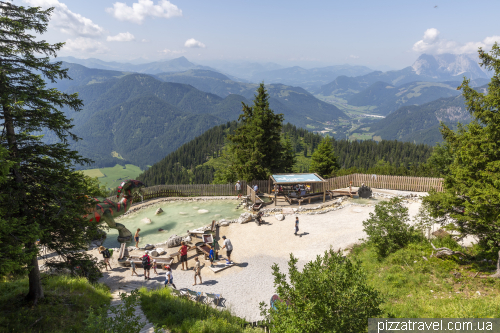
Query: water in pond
(177,218)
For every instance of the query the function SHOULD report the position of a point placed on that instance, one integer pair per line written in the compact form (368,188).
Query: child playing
(211,256)
(132,265)
(154,266)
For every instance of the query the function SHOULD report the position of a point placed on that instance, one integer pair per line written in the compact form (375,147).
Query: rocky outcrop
(174,241)
(279,217)
(245,218)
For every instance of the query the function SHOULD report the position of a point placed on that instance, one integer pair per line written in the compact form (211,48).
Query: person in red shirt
(183,251)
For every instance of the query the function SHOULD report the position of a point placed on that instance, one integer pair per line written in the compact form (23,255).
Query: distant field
(112,177)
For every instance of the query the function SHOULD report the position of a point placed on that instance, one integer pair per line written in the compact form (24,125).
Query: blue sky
(377,34)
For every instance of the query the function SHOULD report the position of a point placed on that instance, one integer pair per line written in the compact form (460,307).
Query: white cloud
(67,21)
(142,9)
(167,51)
(84,45)
(352,56)
(121,37)
(193,43)
(145,40)
(431,43)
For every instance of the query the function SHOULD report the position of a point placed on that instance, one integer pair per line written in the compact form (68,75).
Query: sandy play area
(256,248)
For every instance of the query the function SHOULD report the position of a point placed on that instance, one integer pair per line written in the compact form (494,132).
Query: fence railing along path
(402,183)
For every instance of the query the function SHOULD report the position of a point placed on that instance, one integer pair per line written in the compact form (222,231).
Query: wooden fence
(402,183)
(418,184)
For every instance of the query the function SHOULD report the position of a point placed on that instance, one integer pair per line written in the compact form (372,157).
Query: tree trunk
(35,284)
(497,274)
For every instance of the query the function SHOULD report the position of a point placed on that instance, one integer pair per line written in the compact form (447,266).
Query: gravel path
(256,248)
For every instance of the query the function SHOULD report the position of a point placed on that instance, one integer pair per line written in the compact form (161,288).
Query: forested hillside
(196,161)
(138,119)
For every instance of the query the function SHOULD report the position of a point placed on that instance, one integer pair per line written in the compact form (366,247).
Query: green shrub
(119,318)
(331,294)
(388,229)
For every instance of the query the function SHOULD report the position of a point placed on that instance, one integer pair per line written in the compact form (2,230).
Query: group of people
(148,263)
(237,188)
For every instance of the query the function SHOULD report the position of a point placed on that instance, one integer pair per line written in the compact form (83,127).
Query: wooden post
(350,188)
(324,192)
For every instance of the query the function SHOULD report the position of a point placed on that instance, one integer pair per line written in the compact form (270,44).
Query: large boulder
(174,241)
(245,217)
(153,253)
(149,247)
(159,211)
(279,217)
(161,251)
(365,192)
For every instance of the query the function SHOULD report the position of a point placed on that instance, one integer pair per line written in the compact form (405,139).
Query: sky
(378,34)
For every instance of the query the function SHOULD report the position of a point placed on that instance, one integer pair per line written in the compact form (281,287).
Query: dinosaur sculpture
(107,210)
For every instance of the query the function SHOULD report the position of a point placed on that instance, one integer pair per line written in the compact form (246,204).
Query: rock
(279,217)
(244,218)
(225,223)
(146,220)
(187,239)
(154,253)
(161,251)
(202,211)
(174,241)
(149,247)
(159,211)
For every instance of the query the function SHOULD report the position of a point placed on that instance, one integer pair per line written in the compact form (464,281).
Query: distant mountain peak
(446,65)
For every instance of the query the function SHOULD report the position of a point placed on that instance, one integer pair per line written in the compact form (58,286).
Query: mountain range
(138,119)
(427,68)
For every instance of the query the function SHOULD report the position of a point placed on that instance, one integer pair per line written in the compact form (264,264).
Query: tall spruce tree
(323,160)
(257,144)
(43,197)
(472,185)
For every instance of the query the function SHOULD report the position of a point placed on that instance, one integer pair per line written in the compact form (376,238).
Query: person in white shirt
(169,277)
(237,187)
(229,249)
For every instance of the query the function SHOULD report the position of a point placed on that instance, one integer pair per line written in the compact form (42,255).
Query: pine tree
(323,160)
(44,198)
(257,146)
(472,187)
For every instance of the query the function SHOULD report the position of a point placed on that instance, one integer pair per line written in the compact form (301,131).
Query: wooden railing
(402,183)
(417,184)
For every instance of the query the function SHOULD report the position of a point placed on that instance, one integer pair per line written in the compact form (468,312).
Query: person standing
(132,266)
(237,187)
(211,256)
(256,188)
(106,255)
(296,225)
(169,277)
(197,270)
(154,266)
(136,237)
(229,249)
(183,251)
(146,264)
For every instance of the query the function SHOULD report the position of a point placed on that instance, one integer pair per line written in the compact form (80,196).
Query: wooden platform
(220,266)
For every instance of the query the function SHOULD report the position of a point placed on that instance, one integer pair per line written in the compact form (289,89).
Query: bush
(120,318)
(331,294)
(388,229)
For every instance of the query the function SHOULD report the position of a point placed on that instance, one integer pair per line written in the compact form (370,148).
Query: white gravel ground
(256,248)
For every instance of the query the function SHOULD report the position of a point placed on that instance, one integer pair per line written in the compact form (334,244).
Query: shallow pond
(177,218)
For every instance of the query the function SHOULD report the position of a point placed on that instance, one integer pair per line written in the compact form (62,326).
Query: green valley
(113,176)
